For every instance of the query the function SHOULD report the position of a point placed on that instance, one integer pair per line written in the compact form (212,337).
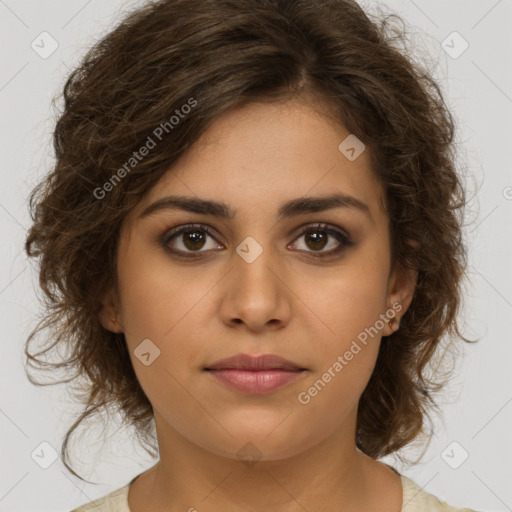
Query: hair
(217,55)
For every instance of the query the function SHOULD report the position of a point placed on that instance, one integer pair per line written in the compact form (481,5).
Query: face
(307,281)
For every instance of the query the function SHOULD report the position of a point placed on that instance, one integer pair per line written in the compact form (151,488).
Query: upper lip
(262,362)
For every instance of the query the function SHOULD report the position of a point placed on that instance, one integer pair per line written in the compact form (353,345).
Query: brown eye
(193,239)
(190,238)
(318,240)
(319,237)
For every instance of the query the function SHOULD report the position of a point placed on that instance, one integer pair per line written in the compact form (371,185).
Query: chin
(256,444)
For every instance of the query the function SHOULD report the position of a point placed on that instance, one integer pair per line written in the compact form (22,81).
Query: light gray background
(478,404)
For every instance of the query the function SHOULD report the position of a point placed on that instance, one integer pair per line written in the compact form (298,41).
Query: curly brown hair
(221,54)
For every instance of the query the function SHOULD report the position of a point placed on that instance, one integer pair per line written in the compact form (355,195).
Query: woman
(251,245)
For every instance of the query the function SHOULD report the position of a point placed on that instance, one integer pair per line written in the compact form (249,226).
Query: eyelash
(339,235)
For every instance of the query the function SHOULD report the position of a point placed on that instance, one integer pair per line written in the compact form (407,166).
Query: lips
(255,363)
(255,375)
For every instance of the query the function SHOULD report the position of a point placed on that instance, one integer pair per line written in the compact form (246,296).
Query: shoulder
(116,501)
(415,499)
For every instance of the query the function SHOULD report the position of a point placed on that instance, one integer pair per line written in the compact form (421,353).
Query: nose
(255,293)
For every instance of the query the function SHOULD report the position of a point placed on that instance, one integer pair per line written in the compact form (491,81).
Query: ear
(109,314)
(401,286)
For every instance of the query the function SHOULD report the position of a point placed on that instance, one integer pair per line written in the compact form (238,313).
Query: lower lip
(255,382)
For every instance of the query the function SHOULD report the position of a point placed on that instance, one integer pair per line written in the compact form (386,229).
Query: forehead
(262,154)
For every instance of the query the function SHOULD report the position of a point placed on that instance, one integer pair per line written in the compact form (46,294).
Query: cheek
(160,306)
(347,305)
(347,343)
(155,296)
(348,325)
(166,306)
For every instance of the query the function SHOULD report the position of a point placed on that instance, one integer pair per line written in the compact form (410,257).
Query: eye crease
(317,237)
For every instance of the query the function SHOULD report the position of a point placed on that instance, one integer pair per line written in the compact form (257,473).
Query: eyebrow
(294,207)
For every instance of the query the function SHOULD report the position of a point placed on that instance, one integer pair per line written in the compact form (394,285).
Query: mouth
(255,363)
(255,375)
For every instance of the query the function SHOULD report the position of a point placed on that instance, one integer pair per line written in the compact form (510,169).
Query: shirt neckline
(410,491)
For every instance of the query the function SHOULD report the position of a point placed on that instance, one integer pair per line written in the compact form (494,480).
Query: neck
(191,477)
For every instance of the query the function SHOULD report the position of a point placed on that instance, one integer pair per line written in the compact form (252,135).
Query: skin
(287,302)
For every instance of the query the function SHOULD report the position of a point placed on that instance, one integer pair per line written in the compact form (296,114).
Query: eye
(320,236)
(192,238)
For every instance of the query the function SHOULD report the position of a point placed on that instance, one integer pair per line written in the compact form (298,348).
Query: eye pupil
(196,237)
(319,240)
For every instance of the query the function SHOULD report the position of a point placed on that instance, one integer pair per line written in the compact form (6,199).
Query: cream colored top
(415,499)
